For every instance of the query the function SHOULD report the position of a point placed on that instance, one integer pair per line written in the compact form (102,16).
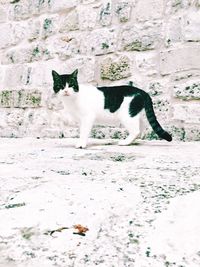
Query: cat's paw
(81,145)
(125,142)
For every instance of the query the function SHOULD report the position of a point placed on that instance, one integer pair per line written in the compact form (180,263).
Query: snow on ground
(140,204)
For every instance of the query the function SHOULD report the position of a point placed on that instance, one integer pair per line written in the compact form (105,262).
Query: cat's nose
(66,93)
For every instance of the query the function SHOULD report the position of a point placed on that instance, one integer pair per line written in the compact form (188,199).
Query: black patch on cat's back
(114,95)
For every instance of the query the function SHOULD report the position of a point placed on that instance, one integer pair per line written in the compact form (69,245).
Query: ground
(139,204)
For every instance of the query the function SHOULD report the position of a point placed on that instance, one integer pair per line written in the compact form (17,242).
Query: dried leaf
(80,230)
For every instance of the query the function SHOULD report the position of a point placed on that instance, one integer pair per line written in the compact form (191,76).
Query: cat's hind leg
(132,125)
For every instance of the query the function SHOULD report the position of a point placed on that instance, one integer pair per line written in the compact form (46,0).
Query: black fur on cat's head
(63,80)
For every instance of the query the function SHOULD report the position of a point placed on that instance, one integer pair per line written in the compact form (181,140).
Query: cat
(87,104)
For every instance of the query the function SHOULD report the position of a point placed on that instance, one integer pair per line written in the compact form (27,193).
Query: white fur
(87,107)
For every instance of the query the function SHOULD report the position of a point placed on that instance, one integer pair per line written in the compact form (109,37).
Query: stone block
(173,32)
(2,74)
(6,99)
(28,98)
(21,75)
(192,132)
(63,4)
(187,113)
(115,69)
(39,6)
(181,77)
(147,63)
(26,54)
(16,72)
(162,108)
(34,29)
(141,37)
(85,65)
(66,46)
(148,10)
(14,121)
(191,26)
(69,22)
(174,6)
(86,2)
(99,42)
(24,122)
(12,34)
(20,32)
(20,11)
(38,75)
(156,89)
(3,14)
(50,26)
(178,131)
(123,10)
(87,17)
(179,59)
(105,16)
(187,91)
(20,99)
(6,35)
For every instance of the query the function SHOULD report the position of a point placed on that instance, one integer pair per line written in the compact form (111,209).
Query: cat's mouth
(66,93)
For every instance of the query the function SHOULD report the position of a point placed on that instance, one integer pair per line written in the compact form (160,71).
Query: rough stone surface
(100,42)
(123,10)
(110,42)
(192,23)
(121,194)
(147,63)
(188,91)
(187,113)
(186,59)
(115,70)
(141,37)
(174,31)
(20,99)
(148,10)
(70,22)
(105,16)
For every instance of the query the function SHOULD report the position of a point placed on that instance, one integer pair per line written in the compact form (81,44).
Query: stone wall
(154,43)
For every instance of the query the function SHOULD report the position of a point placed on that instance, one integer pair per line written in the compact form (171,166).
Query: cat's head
(65,84)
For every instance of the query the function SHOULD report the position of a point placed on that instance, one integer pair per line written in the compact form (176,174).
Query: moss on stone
(35,99)
(5,98)
(115,70)
(105,46)
(47,24)
(151,135)
(36,51)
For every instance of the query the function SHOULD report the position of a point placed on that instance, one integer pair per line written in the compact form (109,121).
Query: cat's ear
(57,81)
(75,73)
(56,76)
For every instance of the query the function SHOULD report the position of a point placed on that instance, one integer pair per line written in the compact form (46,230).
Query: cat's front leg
(85,128)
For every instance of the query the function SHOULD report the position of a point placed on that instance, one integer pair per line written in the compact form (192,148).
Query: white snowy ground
(141,204)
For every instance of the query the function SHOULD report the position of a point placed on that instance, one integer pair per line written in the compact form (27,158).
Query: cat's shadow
(92,143)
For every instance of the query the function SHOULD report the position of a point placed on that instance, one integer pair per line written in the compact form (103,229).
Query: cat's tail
(148,105)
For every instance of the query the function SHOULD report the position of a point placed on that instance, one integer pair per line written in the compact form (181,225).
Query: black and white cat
(88,104)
